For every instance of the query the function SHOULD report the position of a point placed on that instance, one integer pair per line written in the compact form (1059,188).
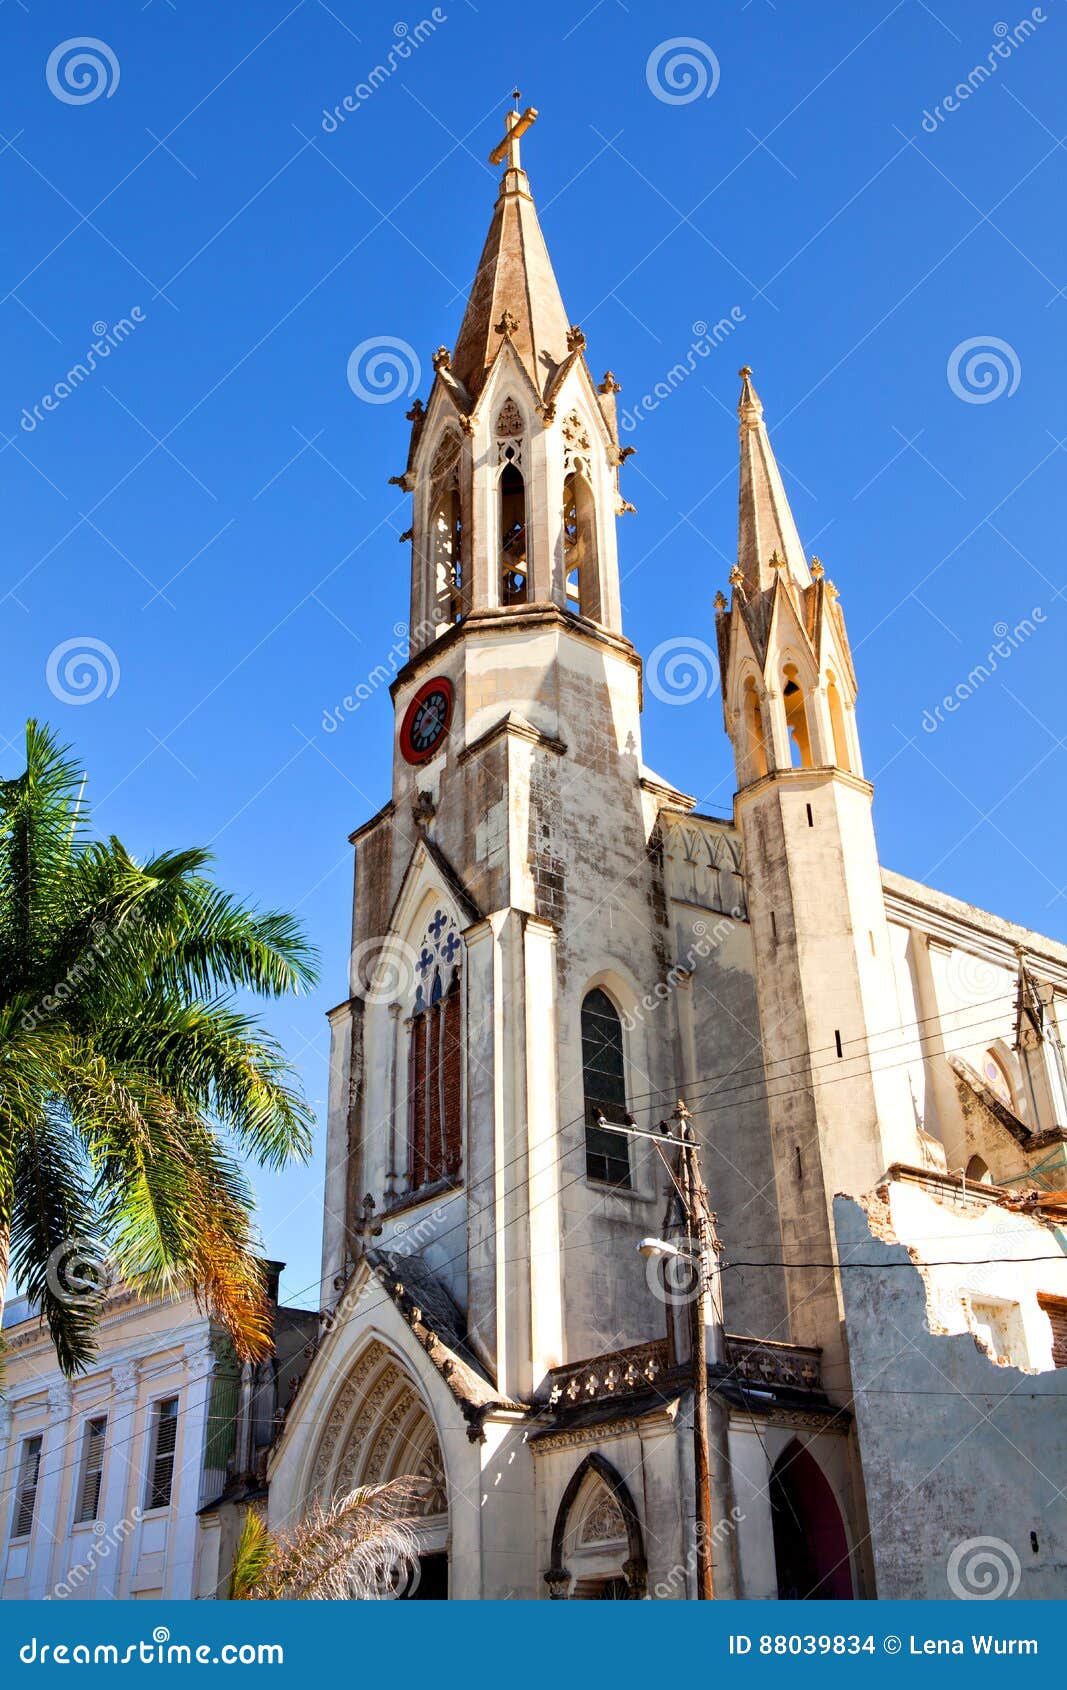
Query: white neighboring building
(102,1477)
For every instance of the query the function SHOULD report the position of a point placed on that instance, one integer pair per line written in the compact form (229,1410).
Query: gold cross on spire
(515,124)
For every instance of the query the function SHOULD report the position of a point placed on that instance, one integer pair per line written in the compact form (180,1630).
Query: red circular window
(426,720)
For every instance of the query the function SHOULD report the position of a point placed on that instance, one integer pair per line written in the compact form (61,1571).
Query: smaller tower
(839,1104)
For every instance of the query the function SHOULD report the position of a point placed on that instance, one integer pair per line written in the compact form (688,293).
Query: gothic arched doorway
(378,1429)
(810,1546)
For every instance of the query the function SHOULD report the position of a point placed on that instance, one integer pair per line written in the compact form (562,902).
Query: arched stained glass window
(607,1154)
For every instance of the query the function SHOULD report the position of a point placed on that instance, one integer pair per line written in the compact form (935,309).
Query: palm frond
(252,1558)
(360,1547)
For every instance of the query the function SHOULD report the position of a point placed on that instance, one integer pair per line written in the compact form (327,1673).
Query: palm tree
(360,1547)
(128,1079)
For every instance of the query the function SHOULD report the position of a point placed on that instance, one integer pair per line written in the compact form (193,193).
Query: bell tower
(838,1101)
(513,461)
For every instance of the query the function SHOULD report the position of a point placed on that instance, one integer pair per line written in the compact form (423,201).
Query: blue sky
(212,503)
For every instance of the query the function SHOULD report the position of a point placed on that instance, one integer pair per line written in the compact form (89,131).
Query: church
(560,967)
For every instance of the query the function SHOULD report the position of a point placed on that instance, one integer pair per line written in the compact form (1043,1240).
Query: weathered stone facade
(606,951)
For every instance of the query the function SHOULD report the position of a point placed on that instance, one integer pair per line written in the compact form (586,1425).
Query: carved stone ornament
(507,324)
(575,435)
(575,339)
(603,1522)
(558,1580)
(445,457)
(442,359)
(509,420)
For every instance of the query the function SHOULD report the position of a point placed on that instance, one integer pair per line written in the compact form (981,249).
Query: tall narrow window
(447,540)
(435,1059)
(755,742)
(514,580)
(92,1469)
(579,547)
(837,724)
(26,1487)
(164,1442)
(796,719)
(607,1154)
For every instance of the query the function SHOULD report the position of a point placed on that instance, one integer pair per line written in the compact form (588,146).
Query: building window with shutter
(161,1463)
(26,1487)
(607,1154)
(92,1469)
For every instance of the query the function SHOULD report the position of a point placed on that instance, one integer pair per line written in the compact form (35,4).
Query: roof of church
(514,284)
(438,1322)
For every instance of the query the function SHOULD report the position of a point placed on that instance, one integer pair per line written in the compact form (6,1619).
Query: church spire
(514,292)
(765,528)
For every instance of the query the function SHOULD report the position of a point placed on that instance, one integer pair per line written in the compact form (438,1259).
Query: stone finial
(737,576)
(776,560)
(442,358)
(507,324)
(418,410)
(749,408)
(720,601)
(831,591)
(609,384)
(575,338)
(817,570)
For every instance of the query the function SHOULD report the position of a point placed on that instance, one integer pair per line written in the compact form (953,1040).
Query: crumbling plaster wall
(954,1447)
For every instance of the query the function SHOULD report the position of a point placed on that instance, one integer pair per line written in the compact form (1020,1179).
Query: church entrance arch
(379,1428)
(810,1544)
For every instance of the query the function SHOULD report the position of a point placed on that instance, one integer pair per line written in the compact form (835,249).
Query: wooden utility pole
(695,1198)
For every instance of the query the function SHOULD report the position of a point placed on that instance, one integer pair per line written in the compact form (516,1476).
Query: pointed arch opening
(598,1549)
(445,532)
(580,563)
(810,1543)
(514,565)
(837,724)
(607,1154)
(755,738)
(435,1059)
(379,1428)
(446,537)
(796,719)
